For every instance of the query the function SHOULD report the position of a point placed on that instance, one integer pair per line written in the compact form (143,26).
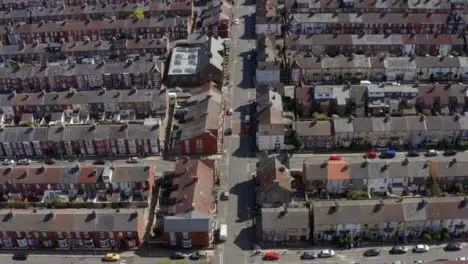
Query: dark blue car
(387,154)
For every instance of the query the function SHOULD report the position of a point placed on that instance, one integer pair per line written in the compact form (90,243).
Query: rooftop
(73,220)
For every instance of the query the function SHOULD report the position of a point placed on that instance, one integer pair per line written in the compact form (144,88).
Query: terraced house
(79,229)
(57,51)
(94,103)
(71,185)
(108,140)
(63,77)
(106,29)
(389,219)
(332,70)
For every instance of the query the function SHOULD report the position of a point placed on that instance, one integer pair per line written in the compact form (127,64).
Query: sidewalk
(98,253)
(290,250)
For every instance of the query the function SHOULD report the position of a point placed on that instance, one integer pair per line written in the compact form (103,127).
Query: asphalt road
(239,157)
(356,255)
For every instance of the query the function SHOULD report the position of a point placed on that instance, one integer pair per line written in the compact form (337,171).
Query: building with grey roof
(140,75)
(364,218)
(285,224)
(102,229)
(196,62)
(314,134)
(124,139)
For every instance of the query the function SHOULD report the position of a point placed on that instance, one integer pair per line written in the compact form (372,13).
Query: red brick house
(72,228)
(190,222)
(56,77)
(200,131)
(74,30)
(108,140)
(216,21)
(84,183)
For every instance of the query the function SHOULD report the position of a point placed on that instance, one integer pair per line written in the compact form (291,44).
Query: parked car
(178,255)
(326,253)
(373,252)
(421,248)
(387,154)
(99,162)
(335,157)
(236,21)
(8,162)
(462,258)
(309,255)
(370,155)
(450,152)
(198,255)
(49,161)
(229,111)
(270,255)
(224,196)
(20,256)
(24,162)
(412,154)
(132,160)
(228,131)
(398,250)
(453,246)
(432,153)
(111,257)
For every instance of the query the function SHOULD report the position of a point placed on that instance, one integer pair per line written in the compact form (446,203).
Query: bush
(445,236)
(138,14)
(435,190)
(427,237)
(358,195)
(437,236)
(320,117)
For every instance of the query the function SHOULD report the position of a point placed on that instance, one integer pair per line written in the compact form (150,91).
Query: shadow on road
(245,198)
(248,69)
(247,147)
(244,238)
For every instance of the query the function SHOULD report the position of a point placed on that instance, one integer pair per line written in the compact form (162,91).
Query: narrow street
(239,160)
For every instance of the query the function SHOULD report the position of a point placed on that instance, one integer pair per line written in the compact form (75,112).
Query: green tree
(445,236)
(435,190)
(459,190)
(437,236)
(138,14)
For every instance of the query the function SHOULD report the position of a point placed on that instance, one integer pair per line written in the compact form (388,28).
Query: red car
(271,256)
(370,155)
(335,157)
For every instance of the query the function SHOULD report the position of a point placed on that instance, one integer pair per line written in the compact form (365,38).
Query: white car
(236,21)
(132,160)
(462,259)
(421,248)
(24,162)
(229,111)
(326,253)
(8,162)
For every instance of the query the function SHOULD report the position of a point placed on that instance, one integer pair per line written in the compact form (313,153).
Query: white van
(222,233)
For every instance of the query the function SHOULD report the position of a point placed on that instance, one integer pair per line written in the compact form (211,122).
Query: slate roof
(313,128)
(356,212)
(74,220)
(276,219)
